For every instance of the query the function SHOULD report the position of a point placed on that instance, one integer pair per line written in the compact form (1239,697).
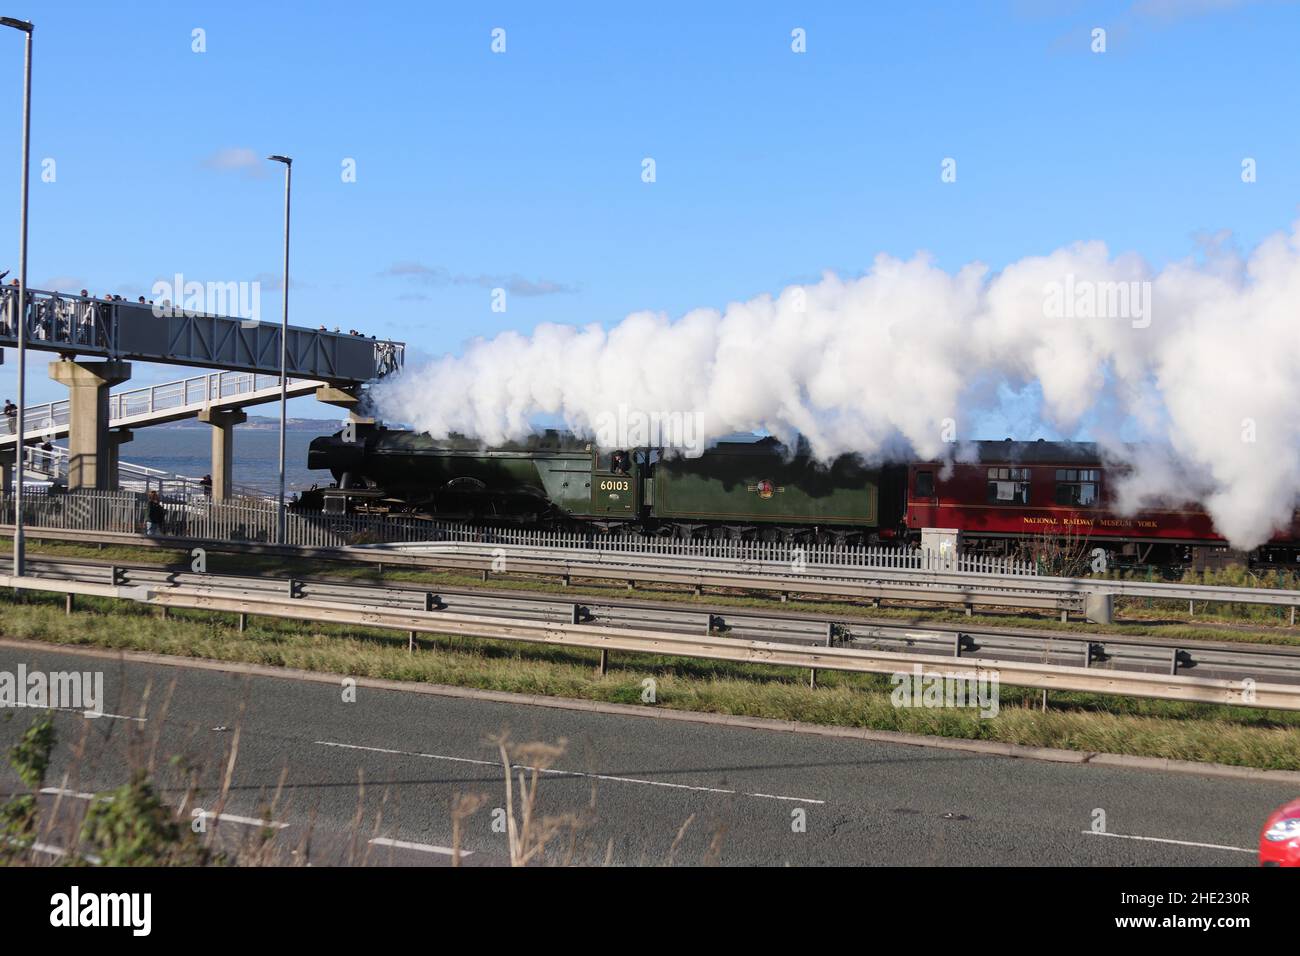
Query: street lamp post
(284,341)
(20,307)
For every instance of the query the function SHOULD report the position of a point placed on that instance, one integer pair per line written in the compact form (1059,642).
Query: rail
(1208,658)
(232,597)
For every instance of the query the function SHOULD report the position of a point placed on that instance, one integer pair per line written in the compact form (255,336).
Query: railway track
(1216,660)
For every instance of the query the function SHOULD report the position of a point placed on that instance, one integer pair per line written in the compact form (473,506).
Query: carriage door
(921,499)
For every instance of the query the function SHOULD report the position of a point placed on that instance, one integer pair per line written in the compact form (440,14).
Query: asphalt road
(387,766)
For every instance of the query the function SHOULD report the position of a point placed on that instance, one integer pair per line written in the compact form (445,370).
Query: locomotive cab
(616,482)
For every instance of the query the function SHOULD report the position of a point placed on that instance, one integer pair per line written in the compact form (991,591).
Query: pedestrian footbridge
(97,341)
(136,331)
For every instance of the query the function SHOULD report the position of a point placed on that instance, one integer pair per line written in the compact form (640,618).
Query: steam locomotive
(757,489)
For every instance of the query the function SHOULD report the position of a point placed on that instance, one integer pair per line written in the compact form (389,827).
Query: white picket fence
(254,519)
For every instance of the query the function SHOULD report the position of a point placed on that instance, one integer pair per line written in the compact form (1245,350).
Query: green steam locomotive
(757,488)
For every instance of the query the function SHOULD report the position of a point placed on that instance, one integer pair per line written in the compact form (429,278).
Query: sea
(188,451)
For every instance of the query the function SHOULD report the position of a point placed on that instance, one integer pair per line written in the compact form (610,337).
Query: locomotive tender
(1015,492)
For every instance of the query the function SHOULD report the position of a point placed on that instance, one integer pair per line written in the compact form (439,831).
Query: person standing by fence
(156,515)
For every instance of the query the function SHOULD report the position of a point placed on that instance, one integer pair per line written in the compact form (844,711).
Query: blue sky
(523,169)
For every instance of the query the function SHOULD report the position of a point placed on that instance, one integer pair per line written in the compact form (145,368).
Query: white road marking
(88,714)
(773,796)
(422,847)
(248,821)
(60,791)
(571,773)
(1207,846)
(51,850)
(206,814)
(409,753)
(47,848)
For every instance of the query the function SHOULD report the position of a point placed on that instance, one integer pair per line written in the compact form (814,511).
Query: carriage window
(1008,486)
(925,484)
(1077,487)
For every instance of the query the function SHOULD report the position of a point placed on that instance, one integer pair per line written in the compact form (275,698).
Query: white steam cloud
(1199,363)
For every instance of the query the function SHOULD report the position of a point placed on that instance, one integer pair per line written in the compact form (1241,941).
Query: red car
(1279,842)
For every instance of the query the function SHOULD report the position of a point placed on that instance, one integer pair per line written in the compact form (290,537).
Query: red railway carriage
(1022,490)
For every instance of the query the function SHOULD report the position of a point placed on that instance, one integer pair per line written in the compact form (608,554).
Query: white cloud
(238,159)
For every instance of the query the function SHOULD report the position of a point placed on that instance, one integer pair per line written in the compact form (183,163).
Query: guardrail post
(69,603)
(575,614)
(1173,662)
(114,576)
(970,610)
(956,645)
(631,585)
(830,633)
(410,643)
(1099,608)
(1087,653)
(812,678)
(430,602)
(243,622)
(604,661)
(293,589)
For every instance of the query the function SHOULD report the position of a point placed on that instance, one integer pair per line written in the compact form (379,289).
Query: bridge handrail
(53,462)
(192,390)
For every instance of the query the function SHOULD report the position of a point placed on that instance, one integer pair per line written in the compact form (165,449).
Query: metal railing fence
(193,515)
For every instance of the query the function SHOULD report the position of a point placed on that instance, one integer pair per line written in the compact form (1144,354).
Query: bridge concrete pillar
(89,446)
(223,422)
(344,398)
(116,439)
